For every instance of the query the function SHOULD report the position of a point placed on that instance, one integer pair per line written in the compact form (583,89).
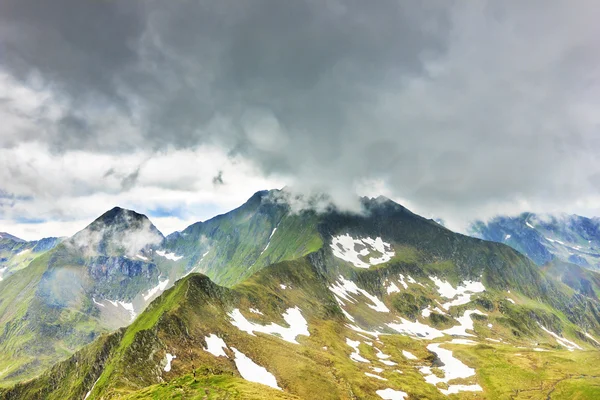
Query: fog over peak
(458,110)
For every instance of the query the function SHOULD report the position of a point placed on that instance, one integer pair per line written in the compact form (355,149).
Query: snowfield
(344,289)
(156,290)
(391,394)
(293,317)
(128,307)
(461,295)
(453,368)
(344,247)
(465,323)
(215,345)
(169,256)
(251,371)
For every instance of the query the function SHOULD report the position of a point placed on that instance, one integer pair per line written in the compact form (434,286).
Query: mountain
(232,246)
(16,253)
(579,279)
(105,275)
(543,238)
(388,305)
(6,235)
(91,283)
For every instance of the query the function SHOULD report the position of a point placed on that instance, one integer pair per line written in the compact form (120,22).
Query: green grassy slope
(232,246)
(48,308)
(522,362)
(235,249)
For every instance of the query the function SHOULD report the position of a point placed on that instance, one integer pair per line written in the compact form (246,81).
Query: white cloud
(69,190)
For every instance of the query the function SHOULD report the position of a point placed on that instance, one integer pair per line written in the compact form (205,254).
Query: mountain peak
(118,231)
(120,215)
(5,235)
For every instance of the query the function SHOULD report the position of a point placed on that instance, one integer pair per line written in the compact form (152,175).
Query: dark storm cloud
(77,45)
(460,104)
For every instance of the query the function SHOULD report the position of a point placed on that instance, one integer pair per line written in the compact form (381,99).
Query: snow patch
(141,257)
(93,386)
(392,288)
(506,237)
(361,330)
(156,289)
(269,242)
(169,256)
(293,317)
(344,247)
(215,345)
(571,346)
(343,289)
(251,371)
(511,300)
(415,329)
(381,355)
(461,295)
(465,323)
(255,311)
(453,368)
(591,337)
(391,394)
(346,313)
(128,307)
(98,304)
(409,355)
(355,356)
(169,357)
(375,376)
(282,286)
(559,242)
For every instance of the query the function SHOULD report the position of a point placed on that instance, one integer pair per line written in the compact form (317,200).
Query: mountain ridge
(543,238)
(385,273)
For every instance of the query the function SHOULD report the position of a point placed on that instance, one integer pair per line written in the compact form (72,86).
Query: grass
(130,363)
(211,387)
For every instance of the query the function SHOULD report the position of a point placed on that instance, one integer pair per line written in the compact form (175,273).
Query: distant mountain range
(267,302)
(16,254)
(544,238)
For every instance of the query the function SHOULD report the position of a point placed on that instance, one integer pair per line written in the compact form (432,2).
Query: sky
(182,110)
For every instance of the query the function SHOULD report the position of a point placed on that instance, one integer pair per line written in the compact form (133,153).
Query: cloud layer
(458,109)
